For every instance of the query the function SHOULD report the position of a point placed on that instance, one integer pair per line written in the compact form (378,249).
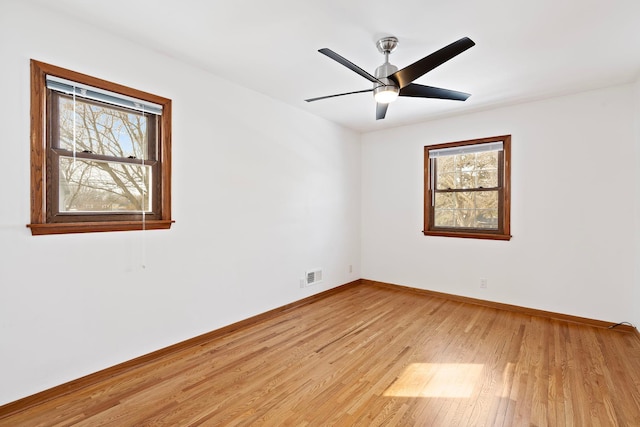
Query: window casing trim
(40,166)
(504,194)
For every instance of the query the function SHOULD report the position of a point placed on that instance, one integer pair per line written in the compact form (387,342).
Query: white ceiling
(524,49)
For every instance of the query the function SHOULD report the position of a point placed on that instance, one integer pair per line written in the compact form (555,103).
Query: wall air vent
(313,277)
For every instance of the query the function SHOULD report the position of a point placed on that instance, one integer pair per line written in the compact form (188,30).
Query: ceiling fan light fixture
(386,94)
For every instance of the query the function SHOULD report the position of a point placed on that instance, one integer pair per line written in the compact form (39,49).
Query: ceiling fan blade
(429,62)
(421,91)
(339,94)
(381,110)
(350,65)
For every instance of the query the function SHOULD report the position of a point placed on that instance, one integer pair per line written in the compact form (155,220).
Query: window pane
(486,200)
(487,218)
(101,129)
(445,218)
(447,180)
(99,186)
(467,180)
(445,201)
(465,200)
(465,162)
(446,164)
(487,160)
(465,218)
(487,178)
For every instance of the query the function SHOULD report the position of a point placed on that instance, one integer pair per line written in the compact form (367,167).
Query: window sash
(57,213)
(117,187)
(434,211)
(433,167)
(150,146)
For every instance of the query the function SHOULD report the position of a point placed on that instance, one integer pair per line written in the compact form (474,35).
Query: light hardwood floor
(370,356)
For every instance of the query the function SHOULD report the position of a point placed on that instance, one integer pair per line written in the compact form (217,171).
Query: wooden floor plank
(374,356)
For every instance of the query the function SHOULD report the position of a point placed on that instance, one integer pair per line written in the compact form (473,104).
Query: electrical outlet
(483,283)
(350,268)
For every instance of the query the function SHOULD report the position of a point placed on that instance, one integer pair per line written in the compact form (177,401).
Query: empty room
(336,213)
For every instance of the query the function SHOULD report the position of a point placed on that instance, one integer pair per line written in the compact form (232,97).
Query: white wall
(261,192)
(573,198)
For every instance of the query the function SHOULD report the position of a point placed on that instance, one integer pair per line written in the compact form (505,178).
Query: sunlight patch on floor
(437,380)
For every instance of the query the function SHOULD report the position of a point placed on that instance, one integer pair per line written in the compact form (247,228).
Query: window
(467,188)
(100,155)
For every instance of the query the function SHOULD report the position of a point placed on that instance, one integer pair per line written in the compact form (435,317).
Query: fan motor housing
(382,73)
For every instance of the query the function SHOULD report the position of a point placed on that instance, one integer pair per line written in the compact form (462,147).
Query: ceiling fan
(389,83)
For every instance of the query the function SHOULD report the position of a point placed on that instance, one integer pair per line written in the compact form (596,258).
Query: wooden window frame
(504,194)
(43,194)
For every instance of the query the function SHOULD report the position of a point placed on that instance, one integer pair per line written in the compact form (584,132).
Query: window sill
(96,227)
(468,235)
